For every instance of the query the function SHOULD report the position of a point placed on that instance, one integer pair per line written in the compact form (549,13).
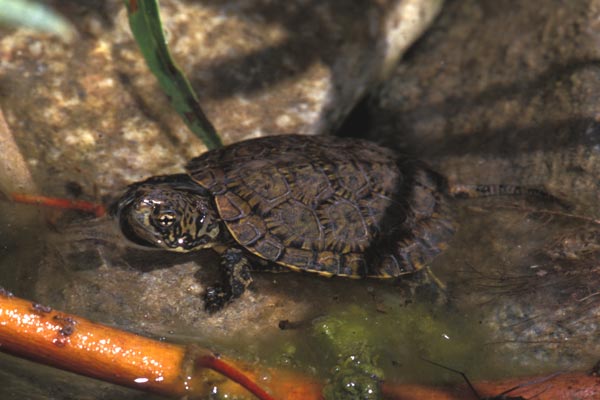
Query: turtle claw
(215,299)
(236,278)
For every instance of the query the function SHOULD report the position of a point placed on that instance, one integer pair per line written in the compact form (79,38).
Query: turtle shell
(327,205)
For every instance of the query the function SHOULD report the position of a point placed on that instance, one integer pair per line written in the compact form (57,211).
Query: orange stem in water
(72,343)
(80,205)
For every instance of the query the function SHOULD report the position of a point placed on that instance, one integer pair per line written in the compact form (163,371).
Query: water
(510,306)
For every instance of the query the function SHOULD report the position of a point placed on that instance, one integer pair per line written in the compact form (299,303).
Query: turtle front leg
(236,278)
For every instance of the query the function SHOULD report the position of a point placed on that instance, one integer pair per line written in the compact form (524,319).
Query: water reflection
(522,298)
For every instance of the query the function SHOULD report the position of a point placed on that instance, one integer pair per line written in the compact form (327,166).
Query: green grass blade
(144,20)
(36,16)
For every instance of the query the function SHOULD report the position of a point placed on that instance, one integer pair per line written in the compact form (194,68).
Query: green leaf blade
(144,20)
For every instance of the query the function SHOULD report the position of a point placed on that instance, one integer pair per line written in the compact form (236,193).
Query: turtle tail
(465,191)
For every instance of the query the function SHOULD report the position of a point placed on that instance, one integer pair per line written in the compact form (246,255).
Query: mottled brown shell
(326,205)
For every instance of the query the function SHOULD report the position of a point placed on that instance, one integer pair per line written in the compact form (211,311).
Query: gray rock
(91,112)
(510,86)
(509,92)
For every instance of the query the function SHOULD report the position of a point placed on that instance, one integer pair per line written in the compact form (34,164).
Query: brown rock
(509,92)
(503,91)
(92,113)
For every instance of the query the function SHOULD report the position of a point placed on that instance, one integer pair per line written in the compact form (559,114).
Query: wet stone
(90,112)
(519,107)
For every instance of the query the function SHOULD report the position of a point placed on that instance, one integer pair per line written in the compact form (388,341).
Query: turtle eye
(166,218)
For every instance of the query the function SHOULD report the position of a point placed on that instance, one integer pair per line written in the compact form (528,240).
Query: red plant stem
(216,364)
(81,205)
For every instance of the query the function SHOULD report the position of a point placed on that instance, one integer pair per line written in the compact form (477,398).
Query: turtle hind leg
(412,252)
(429,239)
(236,278)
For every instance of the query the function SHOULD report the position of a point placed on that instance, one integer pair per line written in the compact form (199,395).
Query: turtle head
(170,212)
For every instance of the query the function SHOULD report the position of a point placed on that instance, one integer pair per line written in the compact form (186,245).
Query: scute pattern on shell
(326,205)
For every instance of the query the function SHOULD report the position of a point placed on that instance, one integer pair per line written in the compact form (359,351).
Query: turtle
(331,206)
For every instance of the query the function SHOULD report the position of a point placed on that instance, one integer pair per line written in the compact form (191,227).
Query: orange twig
(97,209)
(37,332)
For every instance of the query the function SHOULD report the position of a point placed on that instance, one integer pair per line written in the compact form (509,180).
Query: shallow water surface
(508,308)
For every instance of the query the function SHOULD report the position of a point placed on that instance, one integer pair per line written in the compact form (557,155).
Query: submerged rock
(516,107)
